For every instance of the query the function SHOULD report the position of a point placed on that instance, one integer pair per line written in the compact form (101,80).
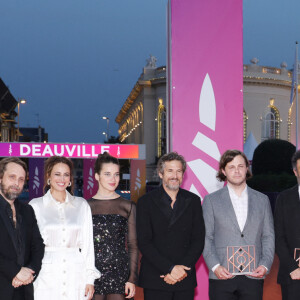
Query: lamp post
(20,101)
(107,130)
(105,133)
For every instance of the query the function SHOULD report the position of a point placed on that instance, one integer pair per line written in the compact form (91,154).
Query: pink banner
(137,179)
(36,178)
(90,185)
(68,150)
(206,92)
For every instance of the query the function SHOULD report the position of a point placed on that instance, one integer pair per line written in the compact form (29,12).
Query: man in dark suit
(287,236)
(171,232)
(21,245)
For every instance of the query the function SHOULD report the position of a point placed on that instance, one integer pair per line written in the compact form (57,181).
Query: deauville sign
(41,150)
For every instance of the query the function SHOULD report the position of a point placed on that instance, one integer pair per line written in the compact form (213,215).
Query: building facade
(7,114)
(142,118)
(267,108)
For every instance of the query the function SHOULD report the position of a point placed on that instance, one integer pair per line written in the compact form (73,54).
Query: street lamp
(107,130)
(104,133)
(20,101)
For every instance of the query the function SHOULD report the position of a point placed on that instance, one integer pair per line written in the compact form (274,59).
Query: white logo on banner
(10,149)
(90,182)
(36,181)
(207,116)
(138,183)
(118,153)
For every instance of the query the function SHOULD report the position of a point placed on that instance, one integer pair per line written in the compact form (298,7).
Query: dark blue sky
(76,61)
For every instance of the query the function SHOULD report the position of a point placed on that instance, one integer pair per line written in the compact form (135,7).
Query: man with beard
(21,245)
(170,232)
(238,219)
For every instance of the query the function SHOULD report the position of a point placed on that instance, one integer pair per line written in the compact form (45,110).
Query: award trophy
(297,256)
(241,259)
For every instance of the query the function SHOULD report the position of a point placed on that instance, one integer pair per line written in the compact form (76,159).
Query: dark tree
(271,166)
(273,156)
(113,140)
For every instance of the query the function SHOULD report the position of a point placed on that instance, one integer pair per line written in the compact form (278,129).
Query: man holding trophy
(239,242)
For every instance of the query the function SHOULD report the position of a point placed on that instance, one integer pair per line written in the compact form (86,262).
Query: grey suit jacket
(222,228)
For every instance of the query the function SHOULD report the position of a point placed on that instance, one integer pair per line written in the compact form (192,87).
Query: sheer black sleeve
(133,251)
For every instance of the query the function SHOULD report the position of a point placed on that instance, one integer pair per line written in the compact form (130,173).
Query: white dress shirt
(240,206)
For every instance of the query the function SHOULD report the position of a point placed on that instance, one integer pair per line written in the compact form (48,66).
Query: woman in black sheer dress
(116,252)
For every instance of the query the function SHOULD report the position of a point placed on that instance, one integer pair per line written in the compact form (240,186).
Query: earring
(48,181)
(69,184)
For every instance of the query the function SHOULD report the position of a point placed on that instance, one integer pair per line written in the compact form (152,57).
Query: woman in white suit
(65,222)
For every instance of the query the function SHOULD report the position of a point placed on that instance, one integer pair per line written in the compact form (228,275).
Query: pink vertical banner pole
(36,177)
(205,90)
(90,185)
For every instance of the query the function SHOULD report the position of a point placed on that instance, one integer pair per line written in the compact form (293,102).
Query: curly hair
(169,157)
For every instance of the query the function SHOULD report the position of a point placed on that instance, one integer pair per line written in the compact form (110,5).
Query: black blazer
(33,250)
(287,232)
(166,242)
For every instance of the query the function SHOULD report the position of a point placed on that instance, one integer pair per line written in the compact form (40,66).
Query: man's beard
(173,187)
(9,193)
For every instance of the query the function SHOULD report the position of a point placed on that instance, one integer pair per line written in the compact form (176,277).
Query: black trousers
(291,291)
(19,294)
(238,288)
(150,294)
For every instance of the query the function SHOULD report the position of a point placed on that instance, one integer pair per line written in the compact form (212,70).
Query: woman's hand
(129,290)
(89,291)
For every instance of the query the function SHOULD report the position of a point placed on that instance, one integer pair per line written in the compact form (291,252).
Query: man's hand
(179,272)
(25,275)
(16,282)
(295,275)
(222,273)
(259,272)
(168,279)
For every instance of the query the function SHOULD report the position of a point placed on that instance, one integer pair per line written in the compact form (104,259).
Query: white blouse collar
(49,200)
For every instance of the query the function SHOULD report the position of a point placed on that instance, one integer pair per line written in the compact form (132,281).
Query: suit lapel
(182,205)
(22,229)
(251,207)
(165,208)
(295,198)
(160,203)
(8,226)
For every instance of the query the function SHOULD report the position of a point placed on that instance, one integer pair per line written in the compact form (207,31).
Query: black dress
(115,242)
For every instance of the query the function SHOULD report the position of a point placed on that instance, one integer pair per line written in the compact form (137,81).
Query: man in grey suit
(239,216)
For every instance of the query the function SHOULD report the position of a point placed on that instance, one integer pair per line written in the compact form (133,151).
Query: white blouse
(67,231)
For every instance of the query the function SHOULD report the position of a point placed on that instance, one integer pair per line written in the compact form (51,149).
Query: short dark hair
(226,158)
(50,163)
(295,157)
(169,157)
(104,158)
(5,161)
